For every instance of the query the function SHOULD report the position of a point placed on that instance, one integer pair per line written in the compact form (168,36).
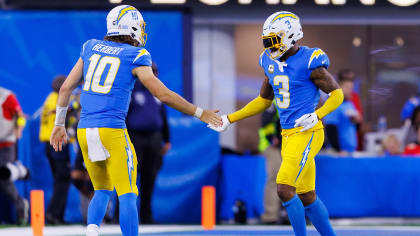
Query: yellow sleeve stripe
(141,53)
(334,101)
(314,55)
(254,107)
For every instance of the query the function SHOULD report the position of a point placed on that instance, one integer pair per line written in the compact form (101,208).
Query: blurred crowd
(347,133)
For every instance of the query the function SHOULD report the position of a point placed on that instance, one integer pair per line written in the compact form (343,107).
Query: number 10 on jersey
(96,69)
(283,91)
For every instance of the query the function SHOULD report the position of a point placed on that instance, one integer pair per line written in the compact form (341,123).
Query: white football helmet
(126,20)
(281,31)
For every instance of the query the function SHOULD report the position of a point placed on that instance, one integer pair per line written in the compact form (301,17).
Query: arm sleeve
(254,107)
(335,100)
(165,127)
(318,59)
(142,58)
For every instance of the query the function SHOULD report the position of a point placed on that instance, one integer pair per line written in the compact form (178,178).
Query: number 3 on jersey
(283,91)
(96,69)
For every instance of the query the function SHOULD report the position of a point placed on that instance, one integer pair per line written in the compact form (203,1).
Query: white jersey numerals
(96,69)
(283,91)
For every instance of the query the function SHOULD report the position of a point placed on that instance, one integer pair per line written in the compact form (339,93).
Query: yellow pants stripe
(298,159)
(304,157)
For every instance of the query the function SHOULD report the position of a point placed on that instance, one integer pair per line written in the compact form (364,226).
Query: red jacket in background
(412,149)
(355,99)
(8,111)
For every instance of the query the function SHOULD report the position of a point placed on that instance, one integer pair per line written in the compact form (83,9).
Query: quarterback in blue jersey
(109,68)
(293,77)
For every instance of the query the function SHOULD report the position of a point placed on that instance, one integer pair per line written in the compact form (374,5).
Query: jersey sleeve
(260,62)
(82,51)
(318,59)
(142,58)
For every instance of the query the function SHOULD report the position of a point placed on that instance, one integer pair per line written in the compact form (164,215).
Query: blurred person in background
(349,75)
(79,175)
(406,116)
(12,123)
(341,123)
(59,161)
(409,106)
(413,147)
(107,150)
(269,146)
(332,140)
(148,128)
(80,179)
(391,145)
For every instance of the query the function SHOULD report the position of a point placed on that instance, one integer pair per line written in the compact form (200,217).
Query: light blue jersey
(294,91)
(108,82)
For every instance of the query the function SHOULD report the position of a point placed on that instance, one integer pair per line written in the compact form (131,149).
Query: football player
(109,68)
(293,76)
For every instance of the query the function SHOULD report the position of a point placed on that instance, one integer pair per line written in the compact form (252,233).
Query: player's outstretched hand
(211,117)
(307,121)
(58,138)
(223,127)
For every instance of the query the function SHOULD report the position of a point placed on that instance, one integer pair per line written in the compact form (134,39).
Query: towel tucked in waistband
(96,150)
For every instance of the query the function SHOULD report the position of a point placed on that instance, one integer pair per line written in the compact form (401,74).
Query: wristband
(60,116)
(198,112)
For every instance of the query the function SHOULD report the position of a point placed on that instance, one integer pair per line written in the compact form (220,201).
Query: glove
(307,121)
(224,126)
